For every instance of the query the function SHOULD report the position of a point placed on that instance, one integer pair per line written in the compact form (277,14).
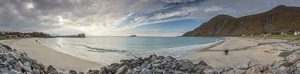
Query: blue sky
(123,17)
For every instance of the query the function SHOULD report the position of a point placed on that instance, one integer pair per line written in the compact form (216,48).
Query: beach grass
(2,37)
(285,37)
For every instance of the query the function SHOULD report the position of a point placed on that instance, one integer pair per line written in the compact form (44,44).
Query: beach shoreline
(240,52)
(61,61)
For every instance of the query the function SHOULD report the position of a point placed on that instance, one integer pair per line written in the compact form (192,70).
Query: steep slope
(279,19)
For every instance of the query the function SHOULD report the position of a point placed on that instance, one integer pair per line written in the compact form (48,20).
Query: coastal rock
(202,63)
(72,72)
(14,72)
(253,70)
(51,70)
(27,67)
(244,66)
(186,64)
(152,57)
(146,71)
(104,70)
(160,57)
(122,70)
(93,72)
(281,63)
(208,71)
(7,47)
(291,59)
(114,67)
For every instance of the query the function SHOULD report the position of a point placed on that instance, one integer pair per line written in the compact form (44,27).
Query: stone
(146,71)
(200,68)
(186,64)
(4,70)
(27,67)
(72,72)
(158,71)
(14,72)
(156,65)
(153,57)
(93,72)
(51,70)
(122,70)
(7,47)
(104,70)
(208,71)
(291,59)
(281,63)
(253,70)
(202,63)
(35,71)
(160,57)
(114,67)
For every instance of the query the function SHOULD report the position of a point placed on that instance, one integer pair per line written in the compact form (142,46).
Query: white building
(296,33)
(2,33)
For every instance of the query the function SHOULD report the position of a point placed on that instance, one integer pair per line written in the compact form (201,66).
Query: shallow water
(112,49)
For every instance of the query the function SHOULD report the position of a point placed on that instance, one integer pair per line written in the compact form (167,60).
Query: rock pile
(170,65)
(13,62)
(155,65)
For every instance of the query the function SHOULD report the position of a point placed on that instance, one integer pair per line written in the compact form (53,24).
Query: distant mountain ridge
(279,19)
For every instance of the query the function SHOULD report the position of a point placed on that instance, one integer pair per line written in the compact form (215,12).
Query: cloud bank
(115,17)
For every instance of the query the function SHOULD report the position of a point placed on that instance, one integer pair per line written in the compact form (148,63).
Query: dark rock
(104,70)
(7,47)
(281,63)
(285,53)
(146,71)
(72,72)
(51,70)
(35,71)
(253,70)
(114,67)
(125,61)
(291,59)
(93,72)
(12,72)
(152,57)
(186,64)
(202,63)
(122,70)
(161,57)
(27,67)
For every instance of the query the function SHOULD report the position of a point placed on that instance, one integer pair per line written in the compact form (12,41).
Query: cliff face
(279,19)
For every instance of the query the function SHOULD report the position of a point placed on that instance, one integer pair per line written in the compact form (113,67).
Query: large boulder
(291,59)
(208,71)
(146,71)
(122,70)
(152,57)
(28,68)
(185,65)
(202,63)
(105,70)
(253,70)
(51,70)
(72,72)
(93,72)
(114,67)
(281,63)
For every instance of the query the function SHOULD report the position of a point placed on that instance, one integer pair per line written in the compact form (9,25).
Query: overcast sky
(123,17)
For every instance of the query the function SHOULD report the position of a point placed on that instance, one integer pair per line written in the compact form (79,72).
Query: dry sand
(48,56)
(218,60)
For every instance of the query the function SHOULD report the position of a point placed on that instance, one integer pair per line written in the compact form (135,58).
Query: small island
(132,36)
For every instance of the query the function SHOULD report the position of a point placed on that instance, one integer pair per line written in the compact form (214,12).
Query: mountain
(279,19)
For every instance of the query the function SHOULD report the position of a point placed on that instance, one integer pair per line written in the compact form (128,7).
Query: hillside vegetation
(279,19)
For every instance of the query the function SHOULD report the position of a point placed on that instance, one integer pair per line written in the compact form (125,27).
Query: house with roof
(14,36)
(296,33)
(8,36)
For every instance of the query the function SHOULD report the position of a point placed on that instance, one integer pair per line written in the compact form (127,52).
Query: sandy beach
(61,61)
(236,57)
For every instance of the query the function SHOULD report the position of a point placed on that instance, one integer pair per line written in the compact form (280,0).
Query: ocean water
(112,49)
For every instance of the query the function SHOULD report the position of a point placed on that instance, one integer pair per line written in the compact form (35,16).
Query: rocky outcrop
(14,62)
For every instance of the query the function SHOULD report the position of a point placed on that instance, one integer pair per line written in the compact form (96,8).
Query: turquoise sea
(112,49)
